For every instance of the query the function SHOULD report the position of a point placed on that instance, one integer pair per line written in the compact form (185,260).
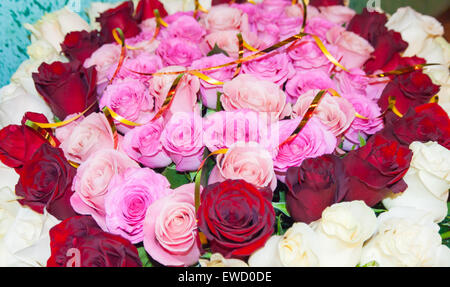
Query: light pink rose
(336,113)
(304,81)
(170,228)
(313,141)
(288,26)
(223,129)
(352,84)
(130,99)
(143,63)
(85,136)
(184,27)
(186,94)
(143,42)
(306,55)
(209,91)
(182,139)
(276,7)
(376,87)
(225,40)
(248,161)
(247,92)
(337,14)
(143,144)
(178,51)
(223,18)
(355,49)
(129,195)
(92,180)
(274,67)
(319,27)
(103,59)
(297,11)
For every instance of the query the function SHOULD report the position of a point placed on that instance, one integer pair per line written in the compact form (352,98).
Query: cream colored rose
(428,181)
(217,260)
(174,6)
(15,102)
(53,27)
(342,231)
(415,28)
(297,248)
(24,234)
(41,50)
(406,237)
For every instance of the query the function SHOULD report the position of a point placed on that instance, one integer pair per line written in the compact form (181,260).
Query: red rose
(46,182)
(319,3)
(19,143)
(399,62)
(68,88)
(235,217)
(424,123)
(78,241)
(145,8)
(119,17)
(376,169)
(315,185)
(410,90)
(369,25)
(80,45)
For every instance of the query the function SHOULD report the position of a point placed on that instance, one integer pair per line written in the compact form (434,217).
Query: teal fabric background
(14,39)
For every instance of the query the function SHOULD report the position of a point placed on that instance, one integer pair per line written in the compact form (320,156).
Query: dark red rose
(315,185)
(46,182)
(80,45)
(319,3)
(424,123)
(145,8)
(376,169)
(68,88)
(388,47)
(369,25)
(80,239)
(236,218)
(410,90)
(119,17)
(398,62)
(19,143)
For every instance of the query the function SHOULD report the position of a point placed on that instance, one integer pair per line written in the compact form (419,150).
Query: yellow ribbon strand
(207,78)
(45,134)
(402,71)
(169,98)
(434,99)
(120,41)
(159,19)
(107,112)
(241,55)
(326,53)
(393,108)
(334,93)
(119,118)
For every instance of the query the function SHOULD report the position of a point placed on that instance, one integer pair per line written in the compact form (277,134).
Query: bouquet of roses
(181,133)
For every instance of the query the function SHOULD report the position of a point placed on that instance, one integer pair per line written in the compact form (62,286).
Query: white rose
(41,50)
(415,28)
(217,260)
(15,102)
(53,27)
(406,237)
(24,234)
(8,177)
(342,231)
(297,248)
(97,8)
(174,6)
(428,181)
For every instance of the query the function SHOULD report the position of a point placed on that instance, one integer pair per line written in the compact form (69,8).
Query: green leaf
(217,50)
(145,259)
(280,230)
(210,111)
(281,206)
(206,256)
(369,264)
(175,178)
(219,103)
(56,119)
(362,141)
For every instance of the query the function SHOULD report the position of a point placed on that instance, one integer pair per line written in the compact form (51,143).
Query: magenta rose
(170,229)
(178,52)
(306,55)
(186,28)
(304,81)
(129,196)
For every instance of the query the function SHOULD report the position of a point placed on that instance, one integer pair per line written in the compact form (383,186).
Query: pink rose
(275,67)
(355,49)
(247,161)
(306,55)
(170,228)
(143,144)
(143,63)
(313,141)
(130,99)
(186,94)
(247,92)
(304,81)
(182,139)
(319,27)
(336,113)
(297,11)
(353,83)
(178,51)
(92,180)
(223,18)
(225,40)
(80,139)
(103,59)
(129,195)
(185,27)
(209,91)
(223,129)
(289,26)
(337,14)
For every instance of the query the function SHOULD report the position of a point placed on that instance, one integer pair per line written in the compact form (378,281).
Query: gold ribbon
(241,55)
(169,98)
(45,134)
(402,71)
(123,52)
(119,118)
(159,20)
(109,117)
(198,7)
